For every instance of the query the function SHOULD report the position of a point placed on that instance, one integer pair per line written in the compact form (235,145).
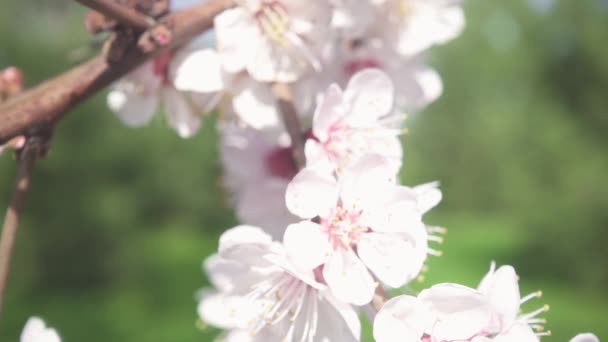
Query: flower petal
(402,318)
(461,312)
(198,71)
(181,116)
(370,95)
(348,278)
(328,113)
(311,193)
(306,245)
(585,338)
(236,34)
(387,256)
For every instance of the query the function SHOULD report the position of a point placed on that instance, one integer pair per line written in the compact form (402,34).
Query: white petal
(222,311)
(518,332)
(311,193)
(585,338)
(387,256)
(181,115)
(243,235)
(236,34)
(461,312)
(275,63)
(350,326)
(402,318)
(328,113)
(35,330)
(306,244)
(132,109)
(370,95)
(502,291)
(348,278)
(255,104)
(428,196)
(198,71)
(365,183)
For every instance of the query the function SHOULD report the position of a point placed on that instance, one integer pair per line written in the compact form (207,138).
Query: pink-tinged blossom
(355,122)
(257,169)
(363,224)
(273,40)
(451,312)
(35,330)
(260,291)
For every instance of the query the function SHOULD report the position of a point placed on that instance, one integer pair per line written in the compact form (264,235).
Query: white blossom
(364,222)
(35,330)
(262,292)
(452,312)
(272,40)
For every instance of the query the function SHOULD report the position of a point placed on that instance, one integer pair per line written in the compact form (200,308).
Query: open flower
(262,292)
(451,312)
(35,330)
(358,121)
(272,40)
(363,222)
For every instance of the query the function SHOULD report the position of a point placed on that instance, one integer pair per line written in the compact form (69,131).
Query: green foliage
(119,219)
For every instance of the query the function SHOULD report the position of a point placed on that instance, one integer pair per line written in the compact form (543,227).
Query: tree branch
(291,121)
(46,103)
(122,14)
(26,160)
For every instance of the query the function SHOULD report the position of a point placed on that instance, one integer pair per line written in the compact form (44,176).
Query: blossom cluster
(322,244)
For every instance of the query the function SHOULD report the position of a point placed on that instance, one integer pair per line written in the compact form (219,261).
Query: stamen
(532,295)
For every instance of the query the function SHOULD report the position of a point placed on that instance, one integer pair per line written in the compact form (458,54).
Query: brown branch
(380,297)
(122,14)
(46,103)
(291,121)
(26,160)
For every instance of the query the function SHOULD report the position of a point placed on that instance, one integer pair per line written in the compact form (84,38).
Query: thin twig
(26,160)
(380,297)
(291,121)
(122,14)
(46,103)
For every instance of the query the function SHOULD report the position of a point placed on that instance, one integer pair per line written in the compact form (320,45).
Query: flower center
(354,66)
(343,228)
(280,163)
(274,22)
(161,66)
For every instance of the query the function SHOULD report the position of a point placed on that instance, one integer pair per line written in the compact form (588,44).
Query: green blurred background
(119,219)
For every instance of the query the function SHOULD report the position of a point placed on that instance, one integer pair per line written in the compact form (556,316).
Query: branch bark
(291,121)
(27,159)
(123,15)
(47,103)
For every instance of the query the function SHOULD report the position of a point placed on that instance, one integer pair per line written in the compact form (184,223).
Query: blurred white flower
(273,40)
(262,292)
(257,169)
(412,26)
(35,330)
(363,222)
